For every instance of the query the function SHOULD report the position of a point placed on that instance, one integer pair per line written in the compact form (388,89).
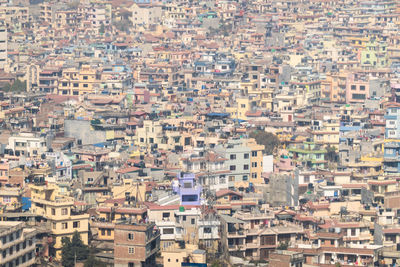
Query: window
(53,211)
(254,164)
(130,236)
(254,175)
(131,250)
(192,221)
(254,153)
(184,218)
(165,215)
(353,232)
(246,167)
(85,85)
(332,242)
(231,178)
(108,232)
(64,226)
(64,84)
(64,211)
(85,77)
(76,84)
(353,87)
(245,177)
(103,232)
(246,155)
(233,156)
(362,87)
(207,230)
(75,224)
(6,199)
(168,231)
(232,167)
(358,96)
(54,225)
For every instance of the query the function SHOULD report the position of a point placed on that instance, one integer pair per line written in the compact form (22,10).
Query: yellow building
(10,199)
(60,214)
(256,160)
(328,134)
(79,82)
(176,256)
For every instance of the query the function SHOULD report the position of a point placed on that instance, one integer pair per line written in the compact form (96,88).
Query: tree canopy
(17,86)
(269,140)
(73,248)
(93,262)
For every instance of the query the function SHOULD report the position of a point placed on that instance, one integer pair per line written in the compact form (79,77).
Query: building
(60,214)
(79,81)
(135,244)
(285,258)
(27,144)
(392,139)
(145,15)
(3,45)
(18,244)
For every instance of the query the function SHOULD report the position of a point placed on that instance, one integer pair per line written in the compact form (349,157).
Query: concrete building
(27,144)
(392,139)
(239,161)
(145,15)
(3,45)
(135,245)
(18,244)
(60,214)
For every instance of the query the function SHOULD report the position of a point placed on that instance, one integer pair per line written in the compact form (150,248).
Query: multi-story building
(3,45)
(256,160)
(145,14)
(27,144)
(60,213)
(48,80)
(10,199)
(135,244)
(79,82)
(392,139)
(239,160)
(18,244)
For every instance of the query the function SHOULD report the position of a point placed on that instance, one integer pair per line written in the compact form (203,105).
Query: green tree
(93,262)
(331,154)
(269,140)
(73,248)
(16,86)
(283,246)
(102,29)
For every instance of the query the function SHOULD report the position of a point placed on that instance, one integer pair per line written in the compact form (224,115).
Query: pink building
(4,172)
(357,89)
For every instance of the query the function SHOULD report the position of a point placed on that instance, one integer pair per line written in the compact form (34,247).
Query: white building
(3,45)
(145,15)
(27,144)
(62,165)
(17,244)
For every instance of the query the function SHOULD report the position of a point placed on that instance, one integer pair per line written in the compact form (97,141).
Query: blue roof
(215,114)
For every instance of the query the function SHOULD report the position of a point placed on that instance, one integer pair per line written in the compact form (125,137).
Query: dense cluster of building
(151,128)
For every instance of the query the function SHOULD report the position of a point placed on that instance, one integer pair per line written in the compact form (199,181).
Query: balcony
(236,234)
(235,247)
(391,158)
